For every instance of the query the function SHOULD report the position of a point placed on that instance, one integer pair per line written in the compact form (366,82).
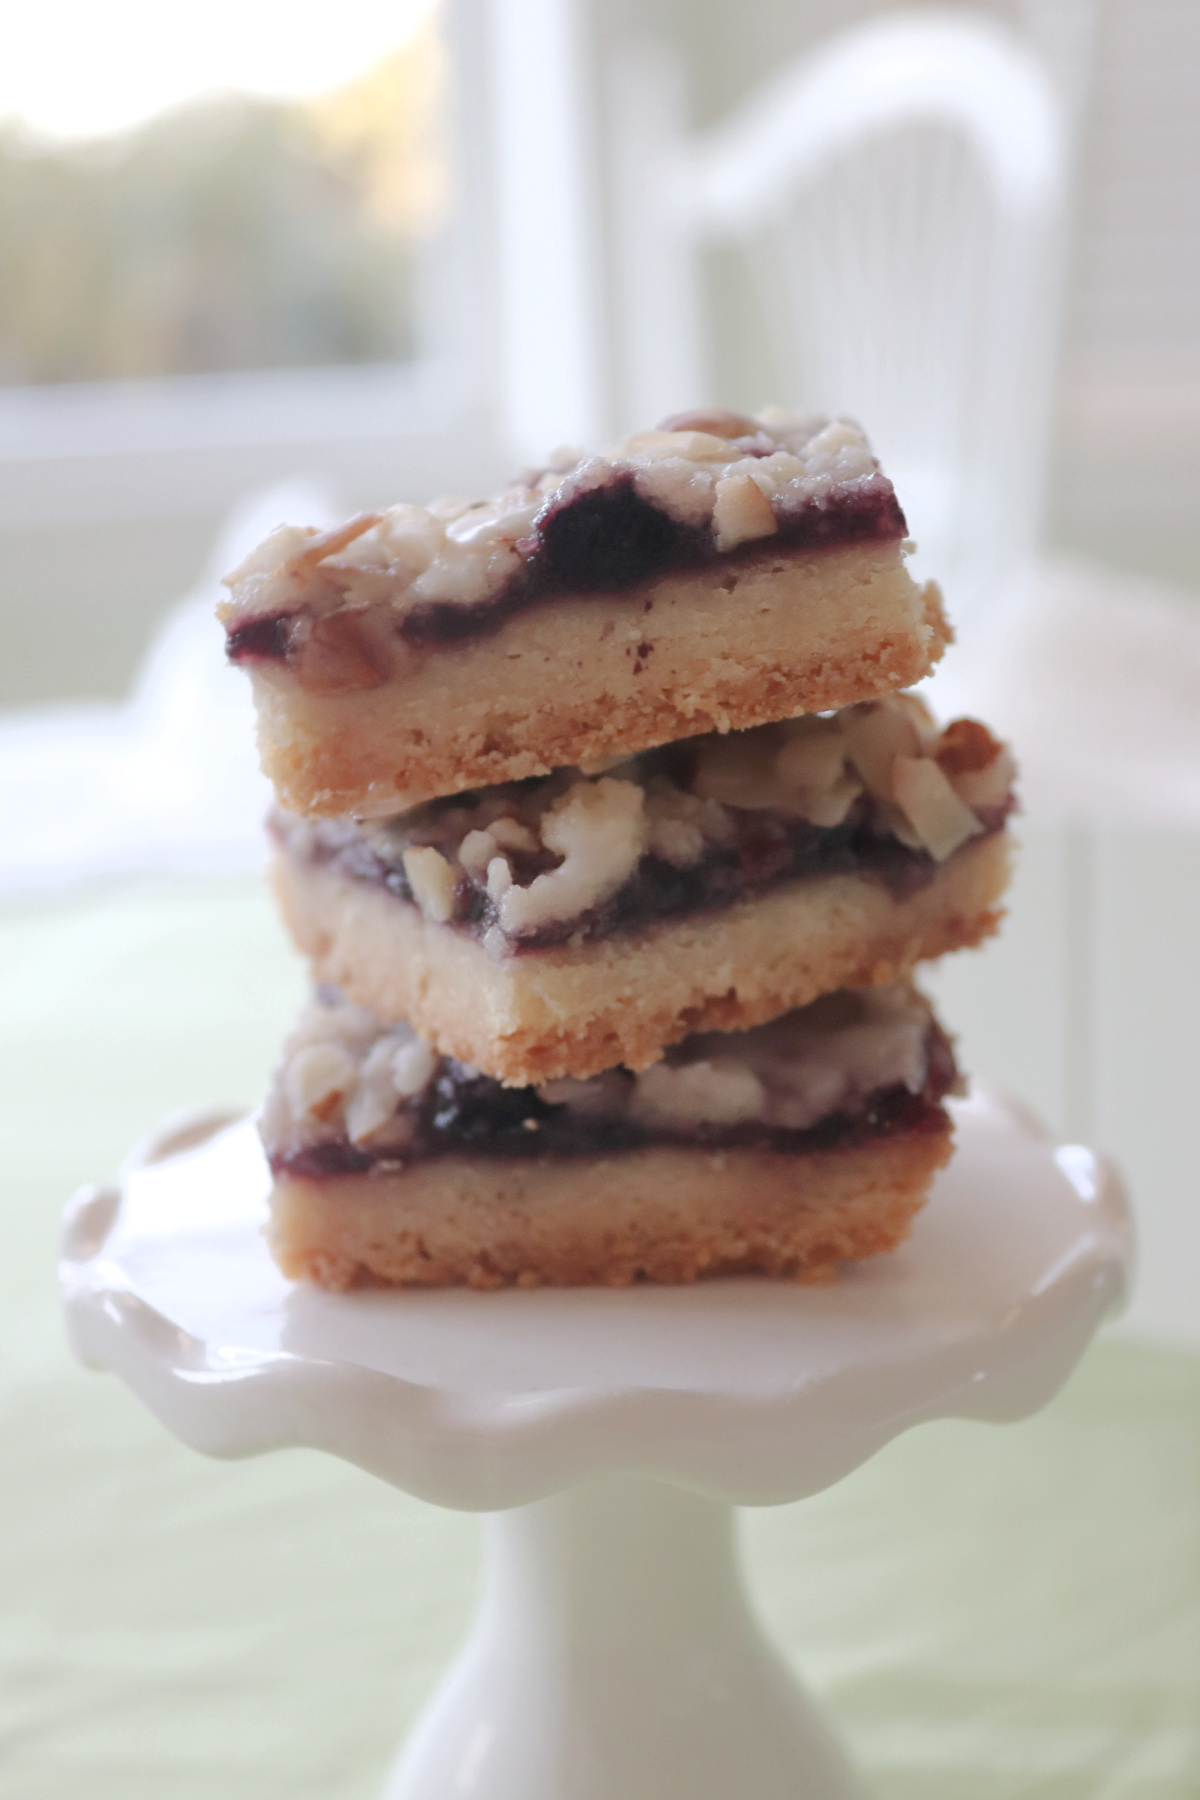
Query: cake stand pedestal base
(615,1657)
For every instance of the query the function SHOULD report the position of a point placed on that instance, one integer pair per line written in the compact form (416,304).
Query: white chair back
(900,194)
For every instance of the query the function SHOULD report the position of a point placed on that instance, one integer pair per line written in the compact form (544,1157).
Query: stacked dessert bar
(613,838)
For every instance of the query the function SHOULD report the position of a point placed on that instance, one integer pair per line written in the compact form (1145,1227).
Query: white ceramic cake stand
(607,1433)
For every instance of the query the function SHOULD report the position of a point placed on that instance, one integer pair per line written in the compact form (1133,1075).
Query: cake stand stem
(615,1657)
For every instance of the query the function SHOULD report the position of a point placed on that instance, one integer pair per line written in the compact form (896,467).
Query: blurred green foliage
(235,233)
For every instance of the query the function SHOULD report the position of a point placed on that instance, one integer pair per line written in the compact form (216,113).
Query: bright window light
(73,69)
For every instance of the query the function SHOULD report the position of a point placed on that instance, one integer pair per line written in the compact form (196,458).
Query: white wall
(1127,451)
(1085,1008)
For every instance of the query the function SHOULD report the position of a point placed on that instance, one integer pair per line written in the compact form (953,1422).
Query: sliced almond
(693,446)
(432,881)
(477,850)
(412,1068)
(813,754)
(374,1099)
(831,807)
(315,1075)
(811,767)
(741,512)
(604,765)
(714,421)
(510,834)
(896,824)
(721,1092)
(876,734)
(923,721)
(940,819)
(343,653)
(328,543)
(499,877)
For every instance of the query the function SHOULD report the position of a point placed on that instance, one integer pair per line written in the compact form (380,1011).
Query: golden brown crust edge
(663,1214)
(601,674)
(576,1011)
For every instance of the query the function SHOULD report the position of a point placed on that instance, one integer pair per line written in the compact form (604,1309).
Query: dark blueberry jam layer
(264,639)
(603,541)
(467,1113)
(767,850)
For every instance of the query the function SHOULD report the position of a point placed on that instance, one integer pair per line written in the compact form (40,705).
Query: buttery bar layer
(714,576)
(560,927)
(788,1150)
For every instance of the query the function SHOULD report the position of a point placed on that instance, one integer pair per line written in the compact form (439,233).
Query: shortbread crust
(787,1149)
(772,635)
(663,1215)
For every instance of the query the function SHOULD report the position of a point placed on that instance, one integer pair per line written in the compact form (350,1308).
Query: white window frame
(192,445)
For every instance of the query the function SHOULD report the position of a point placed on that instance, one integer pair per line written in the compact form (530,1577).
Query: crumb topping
(705,483)
(347,1079)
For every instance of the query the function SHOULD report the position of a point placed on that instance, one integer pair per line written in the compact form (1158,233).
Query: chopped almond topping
(877,733)
(741,511)
(721,1092)
(412,1067)
(499,877)
(876,767)
(990,786)
(691,446)
(941,820)
(717,421)
(347,1074)
(317,1077)
(431,879)
(343,652)
(510,834)
(477,850)
(812,766)
(695,470)
(598,828)
(328,543)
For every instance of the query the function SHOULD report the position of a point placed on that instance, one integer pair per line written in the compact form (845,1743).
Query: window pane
(234,230)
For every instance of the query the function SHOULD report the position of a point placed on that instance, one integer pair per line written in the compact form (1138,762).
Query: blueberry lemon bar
(718,573)
(567,923)
(786,1149)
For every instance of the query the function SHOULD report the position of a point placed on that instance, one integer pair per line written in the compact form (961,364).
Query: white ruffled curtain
(167,781)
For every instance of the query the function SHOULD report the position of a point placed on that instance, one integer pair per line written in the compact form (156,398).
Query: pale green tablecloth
(990,1612)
